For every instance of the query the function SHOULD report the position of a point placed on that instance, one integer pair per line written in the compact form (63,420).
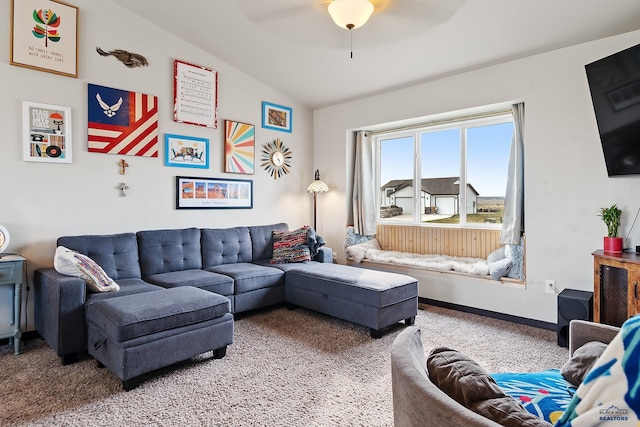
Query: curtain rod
(440,122)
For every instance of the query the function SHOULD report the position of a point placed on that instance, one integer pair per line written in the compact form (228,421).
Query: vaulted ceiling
(294,46)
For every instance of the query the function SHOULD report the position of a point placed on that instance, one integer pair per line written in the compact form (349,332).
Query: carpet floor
(285,368)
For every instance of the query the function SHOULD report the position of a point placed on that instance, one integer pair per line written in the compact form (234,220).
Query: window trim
(462,122)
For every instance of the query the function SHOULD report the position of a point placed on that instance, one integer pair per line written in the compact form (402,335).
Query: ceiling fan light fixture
(350,14)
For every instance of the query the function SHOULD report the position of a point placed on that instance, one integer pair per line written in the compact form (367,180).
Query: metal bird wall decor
(129,59)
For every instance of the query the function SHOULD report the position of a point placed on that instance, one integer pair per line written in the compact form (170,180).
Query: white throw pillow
(358,252)
(76,264)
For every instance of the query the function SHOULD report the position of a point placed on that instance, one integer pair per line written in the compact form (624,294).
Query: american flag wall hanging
(122,122)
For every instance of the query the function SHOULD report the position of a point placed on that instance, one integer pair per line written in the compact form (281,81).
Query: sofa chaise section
(60,300)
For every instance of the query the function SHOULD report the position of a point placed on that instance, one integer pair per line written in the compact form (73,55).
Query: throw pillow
(516,254)
(291,246)
(500,268)
(72,263)
(496,255)
(462,379)
(358,252)
(581,362)
(314,242)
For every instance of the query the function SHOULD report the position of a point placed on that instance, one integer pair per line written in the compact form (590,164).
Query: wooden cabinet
(616,279)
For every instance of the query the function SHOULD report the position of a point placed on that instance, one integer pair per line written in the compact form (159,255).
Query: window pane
(487,164)
(440,172)
(396,177)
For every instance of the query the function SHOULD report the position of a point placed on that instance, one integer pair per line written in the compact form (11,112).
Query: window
(445,173)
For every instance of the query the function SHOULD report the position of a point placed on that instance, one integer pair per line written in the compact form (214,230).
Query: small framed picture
(46,133)
(186,151)
(239,147)
(213,193)
(44,36)
(276,117)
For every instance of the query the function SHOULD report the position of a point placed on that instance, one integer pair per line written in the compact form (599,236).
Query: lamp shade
(317,186)
(350,13)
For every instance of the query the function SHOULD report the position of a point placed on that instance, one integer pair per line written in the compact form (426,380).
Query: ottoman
(370,298)
(136,334)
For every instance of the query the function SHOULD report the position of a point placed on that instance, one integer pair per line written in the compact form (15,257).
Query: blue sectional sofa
(232,262)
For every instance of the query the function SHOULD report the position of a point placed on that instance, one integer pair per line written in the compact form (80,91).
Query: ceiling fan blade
(260,11)
(425,10)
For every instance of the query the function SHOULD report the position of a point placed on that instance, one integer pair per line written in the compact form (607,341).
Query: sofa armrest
(59,311)
(583,331)
(325,254)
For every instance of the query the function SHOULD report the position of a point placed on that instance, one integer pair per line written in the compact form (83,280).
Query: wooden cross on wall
(122,165)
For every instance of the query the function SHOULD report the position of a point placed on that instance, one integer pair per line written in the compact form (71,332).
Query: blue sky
(487,157)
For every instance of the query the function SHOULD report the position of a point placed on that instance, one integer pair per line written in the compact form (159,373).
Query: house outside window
(451,173)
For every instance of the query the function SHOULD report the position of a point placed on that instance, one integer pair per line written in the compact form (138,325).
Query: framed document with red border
(195,91)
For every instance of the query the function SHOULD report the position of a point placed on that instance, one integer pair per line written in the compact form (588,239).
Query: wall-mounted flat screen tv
(614,82)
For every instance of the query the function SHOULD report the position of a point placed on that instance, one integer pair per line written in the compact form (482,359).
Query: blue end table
(11,272)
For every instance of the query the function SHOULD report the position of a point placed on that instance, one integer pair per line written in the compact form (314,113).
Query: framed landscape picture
(239,147)
(276,117)
(213,193)
(44,36)
(186,151)
(46,133)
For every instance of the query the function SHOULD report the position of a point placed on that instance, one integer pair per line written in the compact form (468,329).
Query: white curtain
(513,222)
(364,193)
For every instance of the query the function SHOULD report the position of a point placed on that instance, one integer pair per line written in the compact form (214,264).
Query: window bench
(454,242)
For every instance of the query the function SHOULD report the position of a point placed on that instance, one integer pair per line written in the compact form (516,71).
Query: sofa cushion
(225,246)
(581,362)
(249,277)
(117,254)
(75,264)
(207,280)
(262,240)
(462,379)
(291,246)
(164,251)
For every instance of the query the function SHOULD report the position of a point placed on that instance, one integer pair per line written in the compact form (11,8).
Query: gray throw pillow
(499,269)
(581,362)
(462,379)
(496,255)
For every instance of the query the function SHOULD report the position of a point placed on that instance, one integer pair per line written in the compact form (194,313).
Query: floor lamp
(317,186)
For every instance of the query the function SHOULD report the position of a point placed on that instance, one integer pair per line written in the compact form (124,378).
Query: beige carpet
(285,368)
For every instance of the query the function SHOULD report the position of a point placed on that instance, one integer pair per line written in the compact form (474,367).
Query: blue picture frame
(276,117)
(186,151)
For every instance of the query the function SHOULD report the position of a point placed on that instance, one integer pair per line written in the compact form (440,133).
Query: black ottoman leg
(291,306)
(410,320)
(220,352)
(376,333)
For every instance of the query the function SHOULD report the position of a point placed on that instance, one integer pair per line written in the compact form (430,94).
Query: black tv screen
(614,83)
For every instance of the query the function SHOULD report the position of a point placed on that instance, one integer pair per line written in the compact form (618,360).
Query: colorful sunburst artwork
(239,147)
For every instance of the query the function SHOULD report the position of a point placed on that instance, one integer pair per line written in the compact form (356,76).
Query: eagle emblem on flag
(122,122)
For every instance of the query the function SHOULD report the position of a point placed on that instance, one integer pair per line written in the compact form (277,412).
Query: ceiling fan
(308,21)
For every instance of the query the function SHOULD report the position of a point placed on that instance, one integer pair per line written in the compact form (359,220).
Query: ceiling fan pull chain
(350,28)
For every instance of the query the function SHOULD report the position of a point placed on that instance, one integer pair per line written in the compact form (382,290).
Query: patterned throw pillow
(76,264)
(291,246)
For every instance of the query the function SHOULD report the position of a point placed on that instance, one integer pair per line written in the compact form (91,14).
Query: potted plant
(611,217)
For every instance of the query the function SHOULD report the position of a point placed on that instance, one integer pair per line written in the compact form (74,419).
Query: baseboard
(489,313)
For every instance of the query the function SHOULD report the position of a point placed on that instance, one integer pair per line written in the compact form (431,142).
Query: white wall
(42,201)
(563,160)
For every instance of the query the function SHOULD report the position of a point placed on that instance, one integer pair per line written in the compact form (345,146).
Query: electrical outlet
(550,286)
